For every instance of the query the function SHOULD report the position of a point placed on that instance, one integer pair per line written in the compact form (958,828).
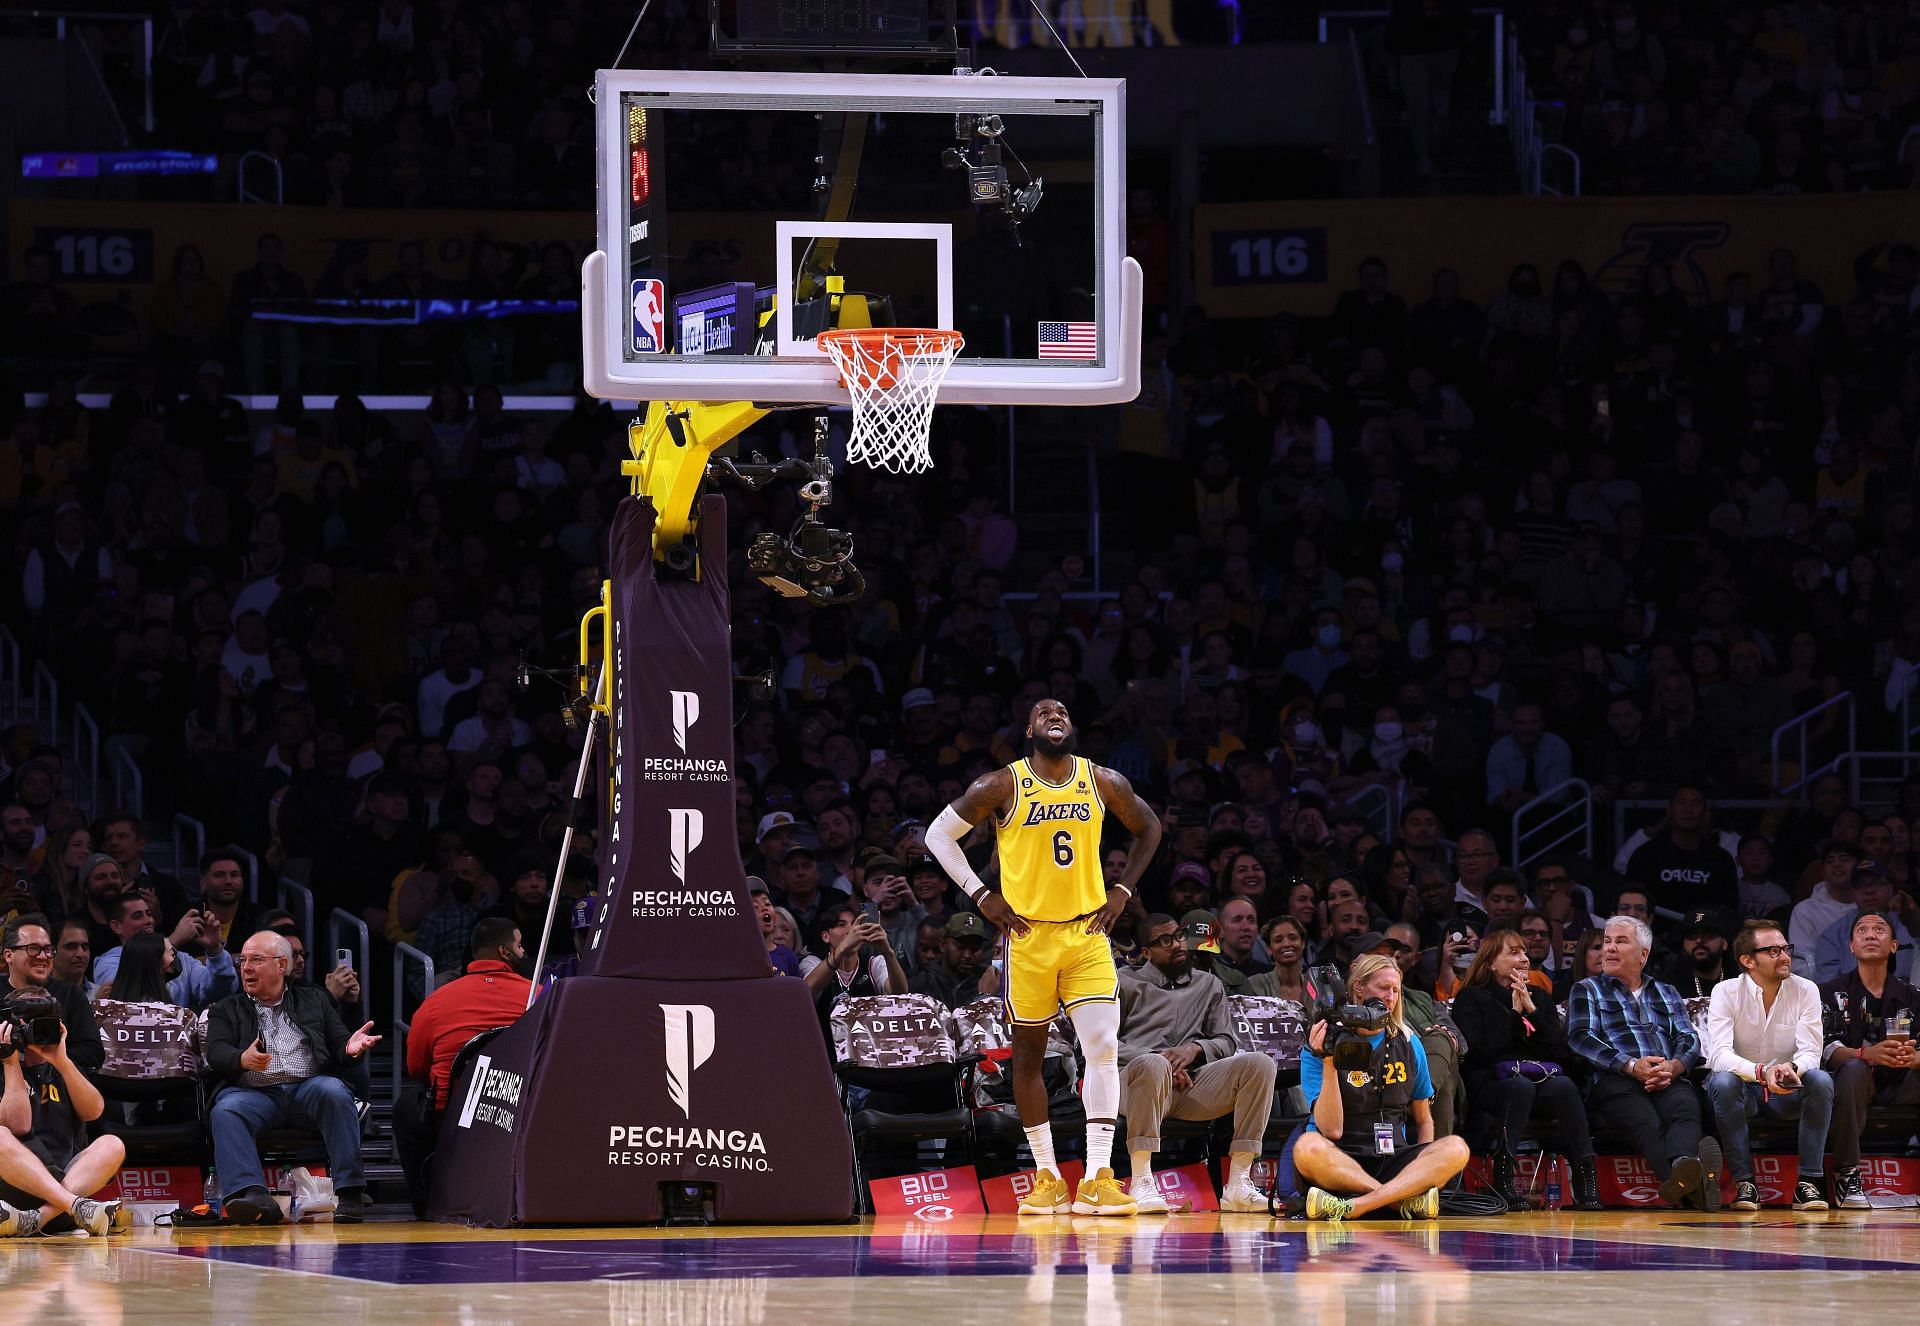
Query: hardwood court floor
(1649,1268)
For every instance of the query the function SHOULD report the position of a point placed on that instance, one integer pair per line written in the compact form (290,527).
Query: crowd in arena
(1454,553)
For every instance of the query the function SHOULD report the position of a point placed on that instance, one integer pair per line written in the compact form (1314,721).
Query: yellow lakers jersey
(1050,845)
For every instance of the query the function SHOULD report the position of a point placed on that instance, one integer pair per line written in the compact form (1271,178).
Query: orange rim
(874,349)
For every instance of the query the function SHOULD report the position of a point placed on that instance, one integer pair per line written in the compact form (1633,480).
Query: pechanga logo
(492,1096)
(686,712)
(689,1033)
(685,829)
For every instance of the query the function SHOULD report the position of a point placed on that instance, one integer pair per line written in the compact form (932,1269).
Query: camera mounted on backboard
(812,561)
(980,152)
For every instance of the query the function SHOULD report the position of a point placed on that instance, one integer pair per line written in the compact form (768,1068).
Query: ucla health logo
(685,829)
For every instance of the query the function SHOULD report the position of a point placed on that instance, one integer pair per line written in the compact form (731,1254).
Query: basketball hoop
(893,375)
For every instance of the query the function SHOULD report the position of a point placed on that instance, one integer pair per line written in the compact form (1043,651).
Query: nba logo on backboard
(649,316)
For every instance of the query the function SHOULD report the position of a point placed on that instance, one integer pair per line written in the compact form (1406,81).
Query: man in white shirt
(1764,1044)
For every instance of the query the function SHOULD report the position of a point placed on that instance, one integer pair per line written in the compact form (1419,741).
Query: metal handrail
(251,864)
(10,672)
(403,955)
(1622,808)
(86,756)
(1360,85)
(1522,855)
(1800,726)
(279,179)
(188,824)
(1539,162)
(129,783)
(301,905)
(46,701)
(1382,819)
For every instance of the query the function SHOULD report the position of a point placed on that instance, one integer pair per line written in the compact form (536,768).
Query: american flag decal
(1069,340)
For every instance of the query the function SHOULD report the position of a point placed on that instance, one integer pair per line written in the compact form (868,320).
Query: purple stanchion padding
(678,1056)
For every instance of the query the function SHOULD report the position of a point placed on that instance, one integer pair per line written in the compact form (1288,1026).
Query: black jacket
(233,1024)
(1843,1000)
(1486,1017)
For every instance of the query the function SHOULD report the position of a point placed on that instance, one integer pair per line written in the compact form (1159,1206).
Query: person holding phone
(1764,1045)
(890,900)
(835,970)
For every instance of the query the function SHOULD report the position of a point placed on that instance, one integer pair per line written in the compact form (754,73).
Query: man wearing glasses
(27,946)
(1764,1045)
(280,1055)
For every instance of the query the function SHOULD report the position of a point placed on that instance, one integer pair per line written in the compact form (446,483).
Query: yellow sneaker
(1048,1196)
(1103,1195)
(1423,1206)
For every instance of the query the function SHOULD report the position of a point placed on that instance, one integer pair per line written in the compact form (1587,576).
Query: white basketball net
(893,375)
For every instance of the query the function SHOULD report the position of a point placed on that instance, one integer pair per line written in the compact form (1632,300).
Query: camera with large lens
(1350,1026)
(34,1016)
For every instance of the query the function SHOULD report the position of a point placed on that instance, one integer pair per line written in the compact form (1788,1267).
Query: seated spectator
(844,937)
(1830,902)
(1240,946)
(1705,958)
(223,897)
(1178,1060)
(1203,948)
(1872,1055)
(72,952)
(493,993)
(1764,1044)
(1526,762)
(1358,1152)
(1760,895)
(279,1055)
(465,894)
(1286,942)
(148,1033)
(884,884)
(196,983)
(1519,1068)
(27,946)
(784,959)
(1683,862)
(46,1099)
(342,983)
(1635,1033)
(963,973)
(1872,892)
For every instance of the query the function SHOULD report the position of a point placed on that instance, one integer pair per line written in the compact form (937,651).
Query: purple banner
(673,894)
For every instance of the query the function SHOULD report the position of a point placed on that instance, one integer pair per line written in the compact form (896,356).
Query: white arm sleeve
(943,840)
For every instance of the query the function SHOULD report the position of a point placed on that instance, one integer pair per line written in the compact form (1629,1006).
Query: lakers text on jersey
(1050,844)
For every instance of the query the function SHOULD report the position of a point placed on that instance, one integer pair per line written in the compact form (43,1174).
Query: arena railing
(129,783)
(1380,805)
(185,827)
(62,18)
(1501,107)
(11,678)
(86,761)
(1731,814)
(292,896)
(46,703)
(1569,820)
(405,956)
(1874,777)
(1794,735)
(251,864)
(341,919)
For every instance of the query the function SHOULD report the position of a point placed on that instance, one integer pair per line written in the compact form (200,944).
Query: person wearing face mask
(1390,756)
(467,891)
(1314,664)
(493,993)
(1313,757)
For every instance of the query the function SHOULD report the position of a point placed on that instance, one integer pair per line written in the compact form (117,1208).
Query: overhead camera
(980,151)
(1350,1026)
(812,561)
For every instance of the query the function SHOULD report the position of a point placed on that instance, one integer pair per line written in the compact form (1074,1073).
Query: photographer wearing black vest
(1359,1152)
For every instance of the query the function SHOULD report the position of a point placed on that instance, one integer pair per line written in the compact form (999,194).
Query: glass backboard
(742,213)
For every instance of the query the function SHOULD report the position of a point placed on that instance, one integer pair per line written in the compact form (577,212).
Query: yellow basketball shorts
(1056,965)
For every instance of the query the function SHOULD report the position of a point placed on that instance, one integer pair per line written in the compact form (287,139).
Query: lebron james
(1048,811)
